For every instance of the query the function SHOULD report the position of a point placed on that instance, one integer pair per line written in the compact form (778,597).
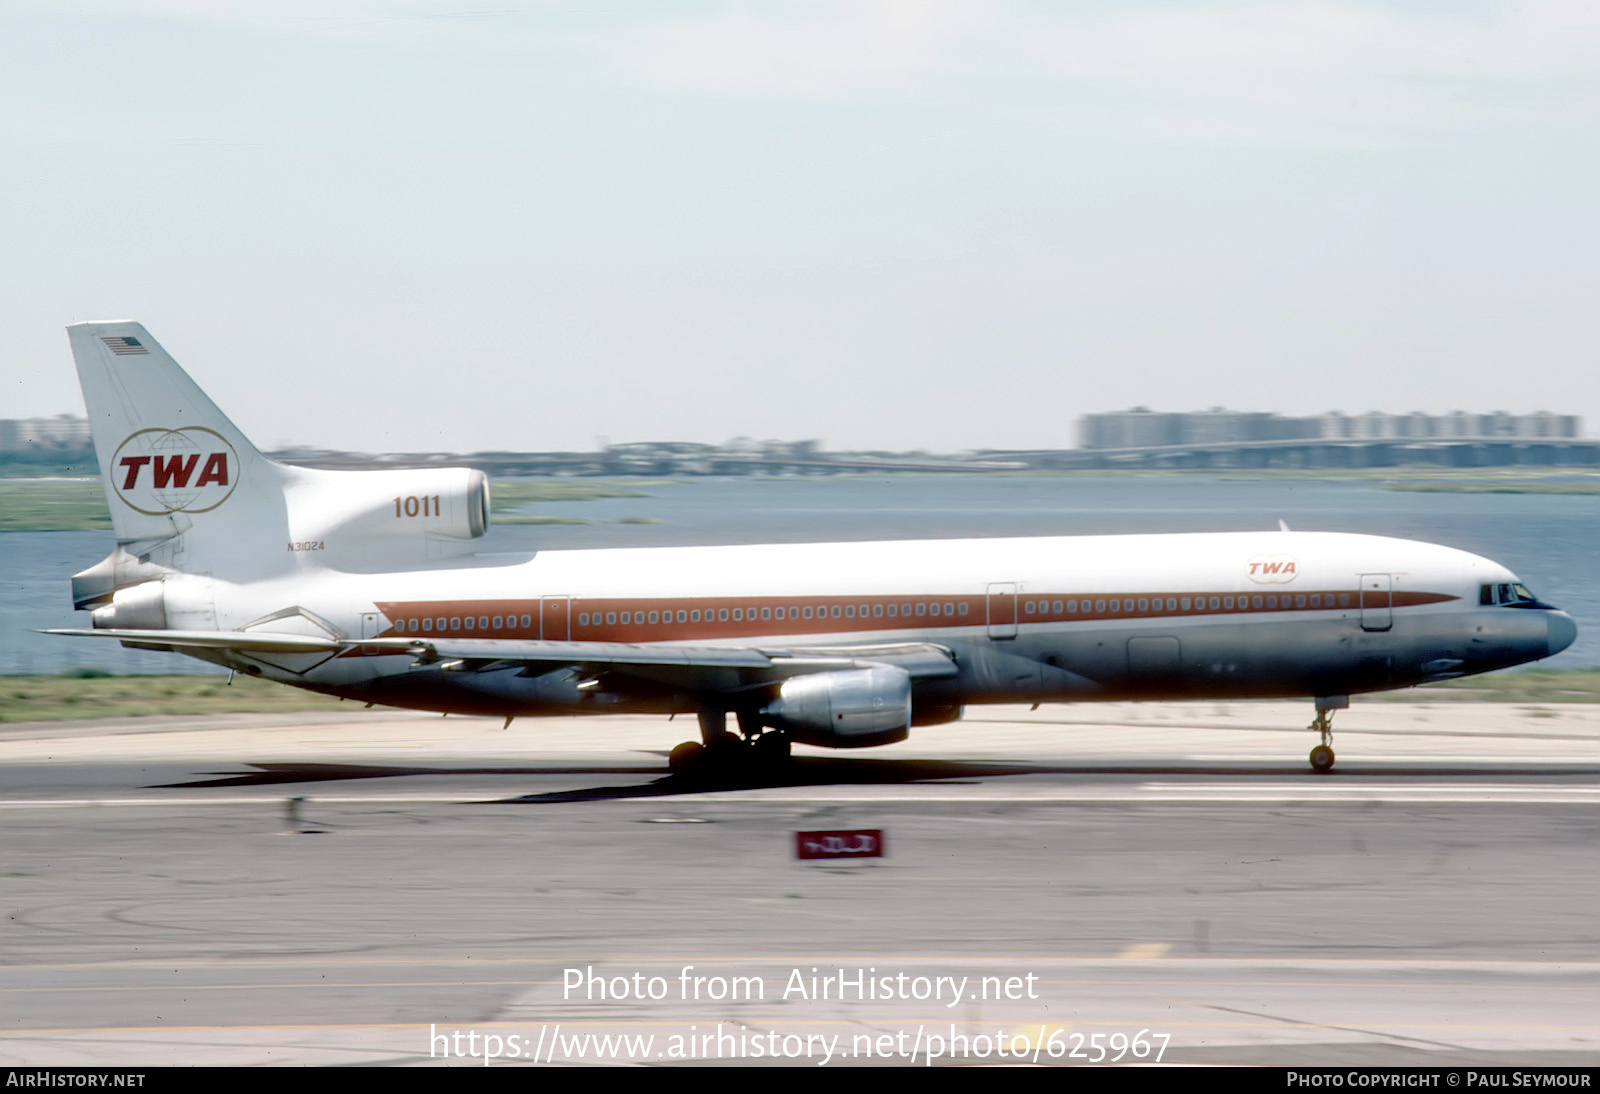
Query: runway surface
(1123,882)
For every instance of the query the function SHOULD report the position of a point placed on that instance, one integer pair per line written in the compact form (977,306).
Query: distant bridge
(633,462)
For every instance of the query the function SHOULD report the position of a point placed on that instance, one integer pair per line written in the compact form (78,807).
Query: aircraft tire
(685,757)
(771,749)
(1322,759)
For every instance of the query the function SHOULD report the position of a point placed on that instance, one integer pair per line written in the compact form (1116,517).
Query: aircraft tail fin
(186,488)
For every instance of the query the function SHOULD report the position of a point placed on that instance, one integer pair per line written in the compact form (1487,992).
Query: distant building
(62,431)
(1456,425)
(1141,427)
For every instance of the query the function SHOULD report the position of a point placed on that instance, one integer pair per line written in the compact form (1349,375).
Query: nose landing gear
(1322,754)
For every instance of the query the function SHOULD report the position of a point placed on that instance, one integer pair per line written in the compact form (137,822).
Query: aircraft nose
(1561,632)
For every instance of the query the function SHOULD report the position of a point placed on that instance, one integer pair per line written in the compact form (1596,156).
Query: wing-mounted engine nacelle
(419,513)
(856,708)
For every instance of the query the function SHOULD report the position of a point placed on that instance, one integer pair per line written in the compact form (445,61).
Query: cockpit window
(1514,593)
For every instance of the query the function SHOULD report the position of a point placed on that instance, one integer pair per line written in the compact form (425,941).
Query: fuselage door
(1377,602)
(1002,609)
(555,618)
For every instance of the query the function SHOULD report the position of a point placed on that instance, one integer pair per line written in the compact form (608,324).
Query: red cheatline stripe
(591,619)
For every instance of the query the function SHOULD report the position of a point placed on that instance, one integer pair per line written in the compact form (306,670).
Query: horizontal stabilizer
(216,640)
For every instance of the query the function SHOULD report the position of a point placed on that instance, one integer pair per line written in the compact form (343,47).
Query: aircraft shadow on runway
(820,771)
(807,771)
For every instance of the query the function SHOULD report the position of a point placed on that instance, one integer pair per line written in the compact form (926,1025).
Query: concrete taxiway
(1060,885)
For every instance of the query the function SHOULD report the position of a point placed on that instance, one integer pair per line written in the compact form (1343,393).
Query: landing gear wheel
(1322,759)
(685,757)
(771,749)
(1322,725)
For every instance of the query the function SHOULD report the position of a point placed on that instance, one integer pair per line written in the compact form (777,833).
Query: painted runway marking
(1145,951)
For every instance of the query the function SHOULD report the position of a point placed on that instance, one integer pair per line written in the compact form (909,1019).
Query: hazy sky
(402,225)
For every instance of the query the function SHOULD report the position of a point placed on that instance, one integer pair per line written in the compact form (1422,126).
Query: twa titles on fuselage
(361,584)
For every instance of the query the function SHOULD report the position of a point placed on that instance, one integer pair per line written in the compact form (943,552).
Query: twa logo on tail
(1273,569)
(160,471)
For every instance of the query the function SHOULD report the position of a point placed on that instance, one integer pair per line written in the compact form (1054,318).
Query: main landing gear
(753,747)
(1322,755)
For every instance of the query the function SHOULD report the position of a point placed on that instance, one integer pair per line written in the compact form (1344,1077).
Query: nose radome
(1561,632)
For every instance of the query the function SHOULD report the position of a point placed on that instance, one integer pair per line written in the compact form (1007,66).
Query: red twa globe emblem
(188,470)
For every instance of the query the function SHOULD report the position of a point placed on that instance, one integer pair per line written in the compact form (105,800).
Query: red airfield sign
(843,843)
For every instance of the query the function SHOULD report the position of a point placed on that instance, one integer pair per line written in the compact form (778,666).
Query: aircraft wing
(683,663)
(693,667)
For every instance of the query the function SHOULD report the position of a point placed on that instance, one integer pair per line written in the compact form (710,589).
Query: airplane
(364,585)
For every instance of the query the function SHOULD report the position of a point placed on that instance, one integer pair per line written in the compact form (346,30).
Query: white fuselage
(1272,613)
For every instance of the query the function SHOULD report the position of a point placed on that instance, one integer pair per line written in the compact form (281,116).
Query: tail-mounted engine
(415,514)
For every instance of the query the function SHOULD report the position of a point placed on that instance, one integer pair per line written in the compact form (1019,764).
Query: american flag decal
(124,347)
